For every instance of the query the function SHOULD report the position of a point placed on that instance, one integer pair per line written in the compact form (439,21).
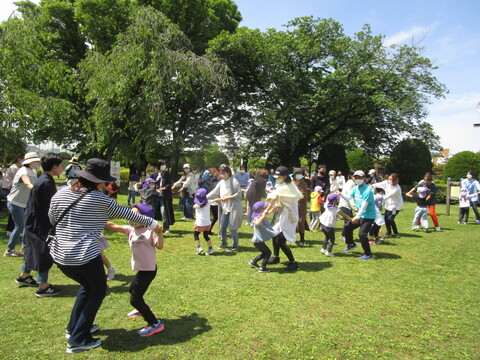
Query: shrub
(359,160)
(334,157)
(410,159)
(458,166)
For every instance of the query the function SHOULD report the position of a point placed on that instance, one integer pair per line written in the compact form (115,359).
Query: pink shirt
(142,241)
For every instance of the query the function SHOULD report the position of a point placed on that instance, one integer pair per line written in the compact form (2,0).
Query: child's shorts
(203,228)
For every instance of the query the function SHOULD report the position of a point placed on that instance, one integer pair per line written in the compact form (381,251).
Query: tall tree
(312,85)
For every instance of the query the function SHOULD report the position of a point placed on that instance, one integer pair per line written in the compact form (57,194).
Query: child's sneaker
(73,349)
(210,251)
(438,228)
(329,254)
(110,273)
(322,250)
(199,250)
(151,329)
(342,238)
(415,228)
(222,247)
(263,270)
(348,248)
(366,257)
(253,264)
(371,242)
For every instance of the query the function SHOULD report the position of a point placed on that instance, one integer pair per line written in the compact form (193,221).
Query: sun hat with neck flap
(97,171)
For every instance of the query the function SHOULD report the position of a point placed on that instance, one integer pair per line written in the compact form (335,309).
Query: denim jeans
(188,207)
(163,211)
(131,197)
(18,215)
(474,205)
(390,222)
(93,287)
(42,276)
(420,215)
(224,220)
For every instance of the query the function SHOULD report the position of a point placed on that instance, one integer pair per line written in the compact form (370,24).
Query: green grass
(418,299)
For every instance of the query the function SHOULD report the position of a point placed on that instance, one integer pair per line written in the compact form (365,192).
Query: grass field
(418,299)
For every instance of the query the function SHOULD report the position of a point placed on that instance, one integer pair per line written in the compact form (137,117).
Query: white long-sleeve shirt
(393,195)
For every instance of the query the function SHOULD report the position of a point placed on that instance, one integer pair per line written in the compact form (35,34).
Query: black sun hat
(97,171)
(281,171)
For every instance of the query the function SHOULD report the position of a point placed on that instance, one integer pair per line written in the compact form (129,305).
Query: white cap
(332,172)
(185,166)
(359,173)
(372,171)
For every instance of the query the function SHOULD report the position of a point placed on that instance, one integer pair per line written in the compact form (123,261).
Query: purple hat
(147,181)
(258,208)
(201,197)
(331,198)
(144,210)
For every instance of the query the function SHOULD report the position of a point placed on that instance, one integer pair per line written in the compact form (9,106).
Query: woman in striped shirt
(76,250)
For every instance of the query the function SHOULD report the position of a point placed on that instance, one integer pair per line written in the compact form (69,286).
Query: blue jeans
(390,222)
(188,207)
(18,215)
(474,205)
(163,211)
(93,287)
(42,276)
(224,220)
(131,197)
(420,214)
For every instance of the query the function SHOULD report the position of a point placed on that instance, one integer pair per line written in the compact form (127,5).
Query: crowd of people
(65,227)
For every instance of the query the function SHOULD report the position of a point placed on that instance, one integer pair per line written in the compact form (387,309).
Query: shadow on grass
(381,255)
(176,331)
(120,288)
(409,235)
(307,266)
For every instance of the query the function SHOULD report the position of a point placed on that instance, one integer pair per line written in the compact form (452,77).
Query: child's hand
(257,221)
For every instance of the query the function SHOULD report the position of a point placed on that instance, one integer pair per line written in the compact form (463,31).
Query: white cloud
(453,118)
(412,33)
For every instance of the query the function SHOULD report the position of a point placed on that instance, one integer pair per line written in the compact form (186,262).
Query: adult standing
(347,206)
(298,175)
(365,217)
(431,197)
(132,193)
(255,193)
(214,206)
(473,188)
(228,194)
(393,202)
(7,182)
(164,204)
(71,170)
(372,177)
(242,177)
(188,187)
(340,180)
(321,179)
(334,187)
(37,226)
(79,215)
(206,179)
(17,199)
(285,197)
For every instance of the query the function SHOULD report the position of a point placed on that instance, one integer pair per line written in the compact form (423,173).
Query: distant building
(442,157)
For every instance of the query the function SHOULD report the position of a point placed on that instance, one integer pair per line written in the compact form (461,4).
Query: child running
(143,243)
(262,232)
(203,223)
(328,221)
(421,209)
(464,204)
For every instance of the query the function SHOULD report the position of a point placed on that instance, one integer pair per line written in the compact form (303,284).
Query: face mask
(359,181)
(242,171)
(322,173)
(163,167)
(299,176)
(469,177)
(332,177)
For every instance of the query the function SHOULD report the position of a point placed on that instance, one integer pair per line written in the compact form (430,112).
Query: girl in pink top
(143,243)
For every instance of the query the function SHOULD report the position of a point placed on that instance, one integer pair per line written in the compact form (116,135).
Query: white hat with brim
(359,173)
(30,158)
(186,166)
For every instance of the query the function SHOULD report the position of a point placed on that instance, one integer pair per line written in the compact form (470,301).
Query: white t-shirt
(202,214)
(329,217)
(20,193)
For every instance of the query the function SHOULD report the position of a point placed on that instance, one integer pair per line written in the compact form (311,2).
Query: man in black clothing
(321,179)
(37,226)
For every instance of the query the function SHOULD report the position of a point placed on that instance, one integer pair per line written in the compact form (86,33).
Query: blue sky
(450,32)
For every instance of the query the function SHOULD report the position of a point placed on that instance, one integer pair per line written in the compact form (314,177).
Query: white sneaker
(199,250)
(438,229)
(166,232)
(416,228)
(12,253)
(329,254)
(110,273)
(324,251)
(342,238)
(210,251)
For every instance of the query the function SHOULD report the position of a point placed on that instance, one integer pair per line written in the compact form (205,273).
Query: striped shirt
(77,233)
(20,193)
